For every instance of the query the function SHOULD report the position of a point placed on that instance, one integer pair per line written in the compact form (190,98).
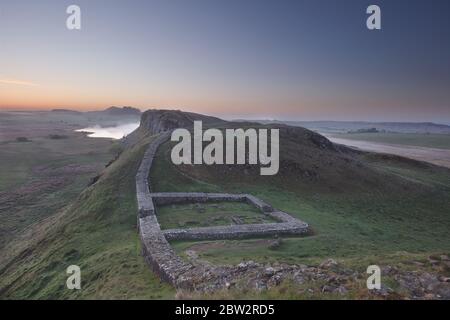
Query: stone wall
(287,226)
(191,197)
(241,231)
(156,249)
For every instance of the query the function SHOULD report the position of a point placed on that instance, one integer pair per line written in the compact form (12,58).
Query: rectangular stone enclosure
(283,223)
(155,246)
(208,214)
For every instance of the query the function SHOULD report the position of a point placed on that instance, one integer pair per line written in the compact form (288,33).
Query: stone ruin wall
(157,251)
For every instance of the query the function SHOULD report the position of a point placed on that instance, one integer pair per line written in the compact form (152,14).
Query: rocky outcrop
(157,121)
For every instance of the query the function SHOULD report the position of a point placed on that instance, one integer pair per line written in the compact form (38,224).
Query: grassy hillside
(41,176)
(363,208)
(98,233)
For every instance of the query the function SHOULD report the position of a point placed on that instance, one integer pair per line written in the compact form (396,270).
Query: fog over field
(115,132)
(440,157)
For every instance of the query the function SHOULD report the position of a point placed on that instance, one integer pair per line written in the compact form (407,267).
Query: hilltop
(118,111)
(113,111)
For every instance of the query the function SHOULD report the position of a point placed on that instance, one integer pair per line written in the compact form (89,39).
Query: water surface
(116,132)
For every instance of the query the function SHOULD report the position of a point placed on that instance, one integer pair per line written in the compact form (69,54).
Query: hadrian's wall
(242,231)
(156,249)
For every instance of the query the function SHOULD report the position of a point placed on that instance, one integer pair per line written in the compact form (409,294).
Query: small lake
(116,132)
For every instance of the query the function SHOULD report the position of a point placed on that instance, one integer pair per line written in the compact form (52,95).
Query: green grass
(40,177)
(18,159)
(370,224)
(382,212)
(439,141)
(98,233)
(209,214)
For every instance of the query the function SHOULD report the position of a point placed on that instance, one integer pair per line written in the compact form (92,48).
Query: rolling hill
(364,208)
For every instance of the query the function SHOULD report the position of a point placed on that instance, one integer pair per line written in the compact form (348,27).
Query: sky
(266,59)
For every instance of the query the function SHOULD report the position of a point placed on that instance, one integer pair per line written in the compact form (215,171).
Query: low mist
(116,132)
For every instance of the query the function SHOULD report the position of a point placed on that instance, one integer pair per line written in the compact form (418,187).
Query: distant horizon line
(226,117)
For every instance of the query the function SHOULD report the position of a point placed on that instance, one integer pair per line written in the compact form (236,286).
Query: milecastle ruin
(158,252)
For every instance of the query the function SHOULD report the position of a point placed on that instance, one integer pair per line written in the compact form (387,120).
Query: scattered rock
(237,220)
(388,270)
(428,281)
(260,286)
(327,288)
(384,291)
(275,244)
(443,290)
(341,290)
(269,271)
(329,263)
(274,281)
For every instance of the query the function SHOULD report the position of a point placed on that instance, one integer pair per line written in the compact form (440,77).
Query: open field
(434,141)
(209,214)
(440,157)
(45,172)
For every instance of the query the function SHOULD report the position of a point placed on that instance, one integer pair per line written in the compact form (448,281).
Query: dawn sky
(298,60)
